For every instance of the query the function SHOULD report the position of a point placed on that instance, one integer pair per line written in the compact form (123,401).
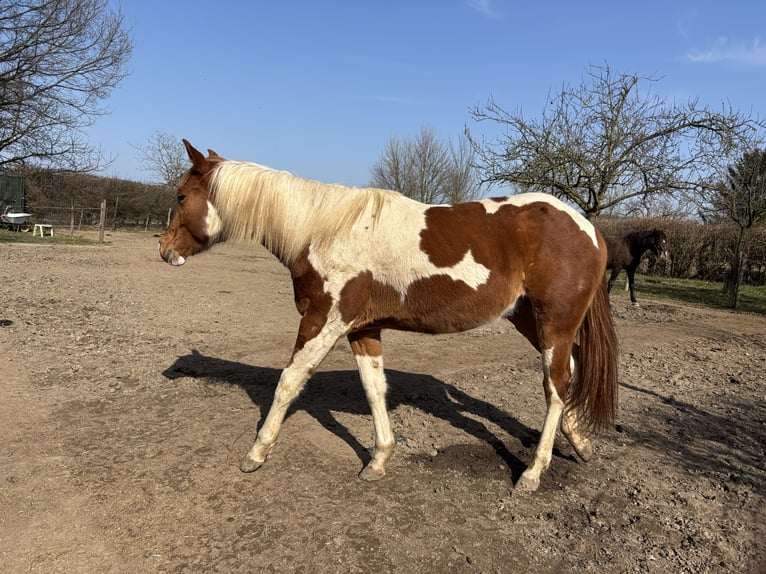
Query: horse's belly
(453,308)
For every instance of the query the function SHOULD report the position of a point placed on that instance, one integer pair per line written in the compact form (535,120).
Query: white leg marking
(571,430)
(530,479)
(290,384)
(374,383)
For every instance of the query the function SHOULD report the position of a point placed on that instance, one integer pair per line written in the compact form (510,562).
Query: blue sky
(319,87)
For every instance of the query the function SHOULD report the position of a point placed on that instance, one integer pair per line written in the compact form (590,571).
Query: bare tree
(427,170)
(59,60)
(740,197)
(461,181)
(164,157)
(607,142)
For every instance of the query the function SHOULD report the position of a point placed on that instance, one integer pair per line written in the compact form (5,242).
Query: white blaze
(213,223)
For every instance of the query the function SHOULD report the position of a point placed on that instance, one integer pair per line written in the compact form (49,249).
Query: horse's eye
(181,197)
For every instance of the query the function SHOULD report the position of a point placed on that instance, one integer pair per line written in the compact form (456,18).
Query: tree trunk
(738,262)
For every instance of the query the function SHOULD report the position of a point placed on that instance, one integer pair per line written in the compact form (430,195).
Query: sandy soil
(129,391)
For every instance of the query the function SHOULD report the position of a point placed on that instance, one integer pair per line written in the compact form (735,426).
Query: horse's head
(660,246)
(195,224)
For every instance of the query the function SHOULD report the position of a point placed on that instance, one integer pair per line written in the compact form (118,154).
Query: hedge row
(59,198)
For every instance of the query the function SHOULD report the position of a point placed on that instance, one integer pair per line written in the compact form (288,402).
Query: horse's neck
(644,244)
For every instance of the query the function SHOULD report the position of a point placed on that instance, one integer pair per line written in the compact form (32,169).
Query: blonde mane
(284,212)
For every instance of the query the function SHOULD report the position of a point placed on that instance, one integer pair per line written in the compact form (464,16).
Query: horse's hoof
(370,474)
(585,451)
(636,304)
(526,484)
(249,465)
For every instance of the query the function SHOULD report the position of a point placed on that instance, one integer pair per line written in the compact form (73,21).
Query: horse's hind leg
(555,383)
(569,423)
(571,430)
(311,348)
(368,352)
(612,276)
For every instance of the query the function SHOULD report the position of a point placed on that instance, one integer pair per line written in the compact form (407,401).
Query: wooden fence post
(102,221)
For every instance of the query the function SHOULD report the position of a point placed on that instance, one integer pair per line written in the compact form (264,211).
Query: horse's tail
(593,395)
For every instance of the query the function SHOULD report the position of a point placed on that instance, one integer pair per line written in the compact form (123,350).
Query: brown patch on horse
(365,302)
(436,304)
(311,300)
(366,343)
(442,242)
(497,240)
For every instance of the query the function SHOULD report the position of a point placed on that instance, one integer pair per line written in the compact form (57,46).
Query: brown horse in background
(625,252)
(364,260)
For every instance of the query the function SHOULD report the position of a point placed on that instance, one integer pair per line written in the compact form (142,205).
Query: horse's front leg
(368,352)
(612,277)
(313,344)
(631,272)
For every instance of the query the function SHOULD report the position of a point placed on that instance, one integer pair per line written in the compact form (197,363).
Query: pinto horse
(625,252)
(363,260)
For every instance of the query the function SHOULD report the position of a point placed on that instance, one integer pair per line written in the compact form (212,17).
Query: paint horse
(625,252)
(363,260)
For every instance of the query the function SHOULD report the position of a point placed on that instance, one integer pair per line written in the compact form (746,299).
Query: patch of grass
(701,293)
(7,236)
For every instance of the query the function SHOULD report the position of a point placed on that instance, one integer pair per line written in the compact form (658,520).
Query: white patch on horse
(467,270)
(392,255)
(526,198)
(314,350)
(213,223)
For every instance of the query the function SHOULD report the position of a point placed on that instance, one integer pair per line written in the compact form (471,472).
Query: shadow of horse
(341,391)
(723,447)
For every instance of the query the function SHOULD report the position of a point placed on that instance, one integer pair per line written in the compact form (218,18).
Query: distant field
(704,293)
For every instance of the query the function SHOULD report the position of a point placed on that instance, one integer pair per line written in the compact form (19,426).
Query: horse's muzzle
(171,256)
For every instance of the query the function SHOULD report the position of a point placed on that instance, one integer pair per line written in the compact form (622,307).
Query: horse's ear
(200,163)
(212,155)
(198,160)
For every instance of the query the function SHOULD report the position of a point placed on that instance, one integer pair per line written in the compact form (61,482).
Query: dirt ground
(129,391)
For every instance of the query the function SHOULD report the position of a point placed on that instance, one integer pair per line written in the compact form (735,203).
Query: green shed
(13,193)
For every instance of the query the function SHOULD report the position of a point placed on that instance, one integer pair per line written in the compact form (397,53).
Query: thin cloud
(737,52)
(485,8)
(685,22)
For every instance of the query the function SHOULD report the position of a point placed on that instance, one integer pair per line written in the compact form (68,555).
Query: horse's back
(455,267)
(618,254)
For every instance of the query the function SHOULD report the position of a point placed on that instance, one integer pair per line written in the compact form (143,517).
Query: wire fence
(77,217)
